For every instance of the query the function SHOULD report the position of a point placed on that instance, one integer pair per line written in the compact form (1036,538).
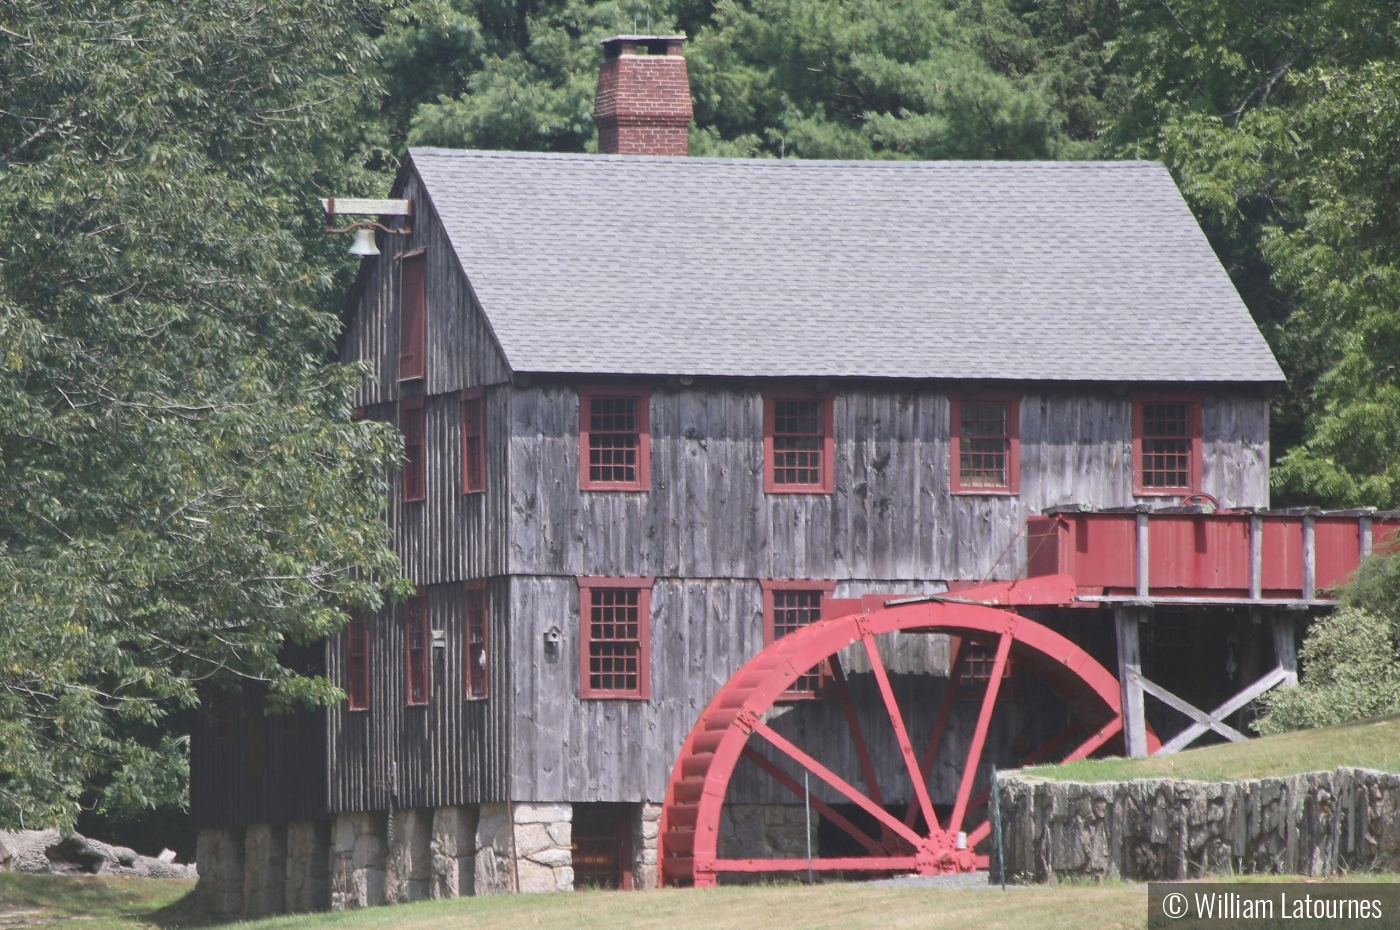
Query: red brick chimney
(643,102)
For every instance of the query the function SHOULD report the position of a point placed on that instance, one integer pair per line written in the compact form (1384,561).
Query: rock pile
(47,851)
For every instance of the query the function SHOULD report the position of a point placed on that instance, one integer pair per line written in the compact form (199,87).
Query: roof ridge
(899,164)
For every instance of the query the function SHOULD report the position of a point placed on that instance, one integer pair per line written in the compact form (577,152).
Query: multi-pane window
(413,316)
(978,663)
(792,610)
(985,446)
(1166,445)
(476,622)
(797,444)
(614,616)
(414,463)
(417,648)
(614,441)
(473,443)
(357,663)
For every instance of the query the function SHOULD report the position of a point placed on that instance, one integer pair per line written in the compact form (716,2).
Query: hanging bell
(364,242)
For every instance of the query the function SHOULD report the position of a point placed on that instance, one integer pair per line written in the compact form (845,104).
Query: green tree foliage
(182,488)
(1279,120)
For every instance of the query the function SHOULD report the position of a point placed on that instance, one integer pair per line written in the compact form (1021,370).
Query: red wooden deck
(1189,555)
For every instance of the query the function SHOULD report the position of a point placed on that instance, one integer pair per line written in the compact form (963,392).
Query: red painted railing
(1265,556)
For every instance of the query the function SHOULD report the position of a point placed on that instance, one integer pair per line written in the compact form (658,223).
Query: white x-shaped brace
(1215,720)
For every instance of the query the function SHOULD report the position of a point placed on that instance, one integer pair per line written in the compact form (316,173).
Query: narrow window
(798,445)
(788,606)
(473,441)
(413,316)
(477,620)
(414,466)
(357,663)
(985,445)
(615,618)
(416,643)
(1166,446)
(614,441)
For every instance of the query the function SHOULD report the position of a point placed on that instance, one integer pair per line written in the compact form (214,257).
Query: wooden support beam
(1215,719)
(1130,679)
(361,206)
(1285,651)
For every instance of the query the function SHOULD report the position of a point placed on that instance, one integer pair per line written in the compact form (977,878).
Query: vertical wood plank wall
(708,532)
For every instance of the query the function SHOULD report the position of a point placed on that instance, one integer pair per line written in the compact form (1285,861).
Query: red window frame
(476,637)
(826,435)
(417,652)
(1193,437)
(776,589)
(413,315)
(357,663)
(587,586)
(1012,404)
(415,472)
(473,440)
(586,398)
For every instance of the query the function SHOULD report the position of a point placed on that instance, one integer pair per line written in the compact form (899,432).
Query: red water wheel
(921,842)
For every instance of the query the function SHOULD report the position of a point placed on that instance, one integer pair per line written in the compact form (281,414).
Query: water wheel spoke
(979,834)
(901,735)
(1053,743)
(872,784)
(940,724)
(979,735)
(790,783)
(1108,732)
(785,746)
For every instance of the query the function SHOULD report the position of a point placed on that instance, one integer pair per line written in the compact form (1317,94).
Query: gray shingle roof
(1052,271)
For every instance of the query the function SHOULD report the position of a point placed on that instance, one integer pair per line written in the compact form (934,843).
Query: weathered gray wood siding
(462,352)
(708,532)
(450,751)
(891,518)
(451,536)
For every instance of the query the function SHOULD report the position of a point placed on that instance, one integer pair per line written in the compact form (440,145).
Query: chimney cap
(615,46)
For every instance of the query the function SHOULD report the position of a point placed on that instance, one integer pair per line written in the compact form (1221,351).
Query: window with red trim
(473,441)
(788,606)
(985,441)
(614,441)
(417,648)
(797,444)
(1166,446)
(413,316)
(477,621)
(615,645)
(357,663)
(414,462)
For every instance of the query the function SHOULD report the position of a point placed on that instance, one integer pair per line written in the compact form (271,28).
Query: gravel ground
(961,880)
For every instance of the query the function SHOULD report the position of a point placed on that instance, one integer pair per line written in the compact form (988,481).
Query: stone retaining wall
(1165,829)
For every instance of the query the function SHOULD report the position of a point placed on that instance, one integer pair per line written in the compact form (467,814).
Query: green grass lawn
(1371,744)
(102,903)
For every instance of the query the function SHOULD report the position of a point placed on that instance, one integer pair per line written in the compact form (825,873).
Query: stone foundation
(264,870)
(409,865)
(308,866)
(453,852)
(1315,824)
(544,847)
(358,861)
(219,854)
(646,827)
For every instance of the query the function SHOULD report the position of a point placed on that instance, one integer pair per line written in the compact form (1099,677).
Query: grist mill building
(660,412)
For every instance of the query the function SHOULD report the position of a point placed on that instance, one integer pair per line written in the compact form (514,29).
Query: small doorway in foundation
(602,845)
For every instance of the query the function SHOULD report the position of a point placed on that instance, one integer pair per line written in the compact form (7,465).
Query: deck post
(1143,557)
(1256,557)
(1125,619)
(1309,558)
(1284,650)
